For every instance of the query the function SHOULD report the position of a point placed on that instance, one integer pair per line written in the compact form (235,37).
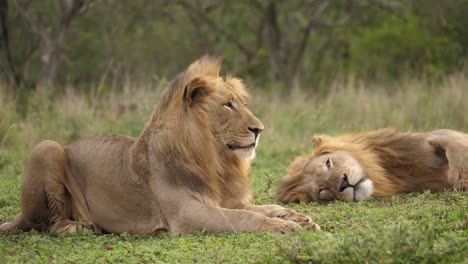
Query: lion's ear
(195,91)
(317,140)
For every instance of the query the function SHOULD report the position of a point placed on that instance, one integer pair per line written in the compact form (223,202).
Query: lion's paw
(461,185)
(291,215)
(72,227)
(278,225)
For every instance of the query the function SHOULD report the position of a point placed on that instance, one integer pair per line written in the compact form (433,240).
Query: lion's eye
(230,105)
(328,163)
(326,195)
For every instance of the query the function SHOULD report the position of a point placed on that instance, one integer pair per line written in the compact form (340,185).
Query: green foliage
(302,42)
(401,46)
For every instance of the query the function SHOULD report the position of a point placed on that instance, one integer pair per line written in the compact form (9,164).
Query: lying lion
(188,171)
(355,166)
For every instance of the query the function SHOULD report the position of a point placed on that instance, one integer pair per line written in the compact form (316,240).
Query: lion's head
(200,108)
(203,130)
(234,127)
(327,177)
(354,166)
(221,104)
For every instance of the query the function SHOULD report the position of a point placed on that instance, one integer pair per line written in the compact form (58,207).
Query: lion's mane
(395,162)
(191,157)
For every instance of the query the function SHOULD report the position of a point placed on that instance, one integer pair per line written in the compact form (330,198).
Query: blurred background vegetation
(71,69)
(273,44)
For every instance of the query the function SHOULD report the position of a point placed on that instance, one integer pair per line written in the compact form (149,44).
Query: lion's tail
(18,224)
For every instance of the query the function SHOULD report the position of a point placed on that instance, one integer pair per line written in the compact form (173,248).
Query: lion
(188,171)
(353,167)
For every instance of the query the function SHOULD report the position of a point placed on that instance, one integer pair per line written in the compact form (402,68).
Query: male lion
(188,171)
(355,166)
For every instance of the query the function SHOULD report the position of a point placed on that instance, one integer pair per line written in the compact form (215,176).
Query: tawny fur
(395,162)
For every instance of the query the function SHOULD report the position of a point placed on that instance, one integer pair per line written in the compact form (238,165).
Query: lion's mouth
(234,147)
(360,190)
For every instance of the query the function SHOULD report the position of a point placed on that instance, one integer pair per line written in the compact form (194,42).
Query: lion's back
(408,159)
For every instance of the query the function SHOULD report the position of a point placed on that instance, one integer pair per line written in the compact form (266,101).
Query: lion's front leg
(455,145)
(276,211)
(193,216)
(184,214)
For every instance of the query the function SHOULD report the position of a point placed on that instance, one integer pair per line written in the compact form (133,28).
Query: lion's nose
(255,130)
(344,182)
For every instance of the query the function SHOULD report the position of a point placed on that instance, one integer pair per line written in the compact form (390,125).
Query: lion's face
(235,128)
(217,110)
(328,177)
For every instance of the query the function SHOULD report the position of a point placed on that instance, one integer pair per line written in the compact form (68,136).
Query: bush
(400,46)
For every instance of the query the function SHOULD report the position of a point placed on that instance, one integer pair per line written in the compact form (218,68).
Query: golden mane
(170,121)
(394,161)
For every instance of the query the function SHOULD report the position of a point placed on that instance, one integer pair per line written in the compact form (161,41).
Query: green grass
(424,228)
(412,228)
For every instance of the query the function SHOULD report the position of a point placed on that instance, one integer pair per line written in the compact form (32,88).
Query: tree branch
(34,20)
(214,26)
(302,46)
(6,42)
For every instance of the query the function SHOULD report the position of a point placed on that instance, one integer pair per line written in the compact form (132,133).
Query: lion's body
(187,171)
(382,162)
(130,204)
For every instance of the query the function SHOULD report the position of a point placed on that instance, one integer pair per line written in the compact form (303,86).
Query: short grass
(411,228)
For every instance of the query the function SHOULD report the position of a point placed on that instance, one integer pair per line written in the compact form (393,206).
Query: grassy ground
(411,228)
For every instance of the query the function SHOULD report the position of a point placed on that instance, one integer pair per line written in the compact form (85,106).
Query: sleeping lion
(188,170)
(353,167)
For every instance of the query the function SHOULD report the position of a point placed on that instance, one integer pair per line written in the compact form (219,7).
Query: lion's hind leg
(45,201)
(455,145)
(18,224)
